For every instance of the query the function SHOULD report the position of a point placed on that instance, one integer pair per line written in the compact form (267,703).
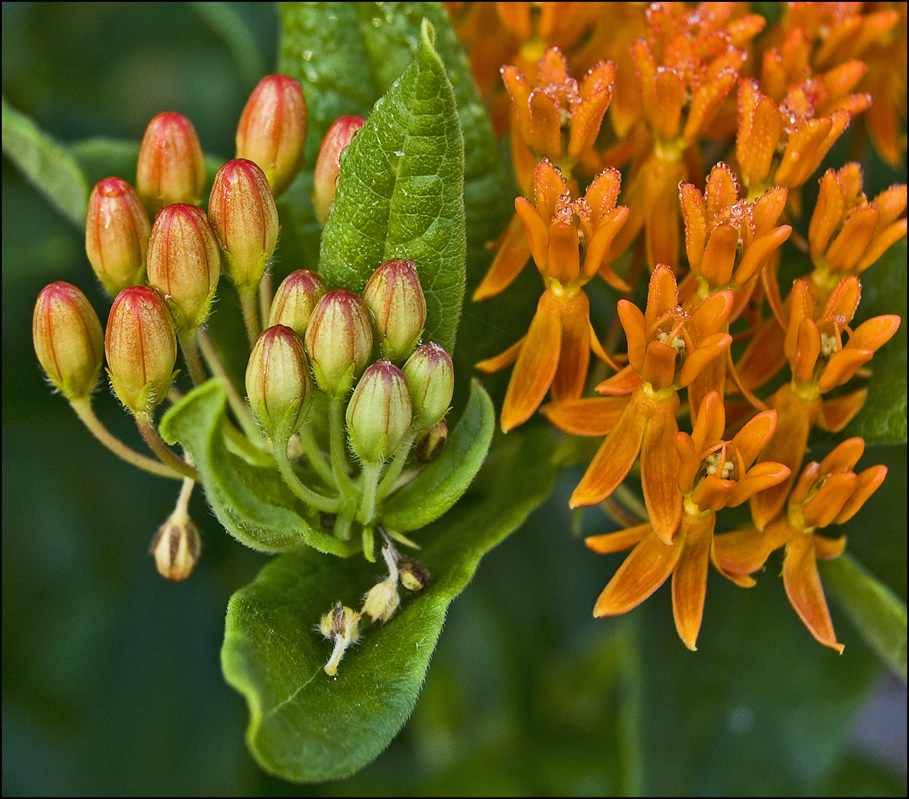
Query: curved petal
(624,382)
(759,478)
(868,482)
(617,542)
(719,256)
(574,357)
(497,362)
(750,440)
(842,366)
(586,417)
(829,548)
(746,551)
(825,505)
(803,587)
(713,346)
(537,232)
(633,322)
(660,466)
(509,261)
(645,569)
(689,579)
(838,412)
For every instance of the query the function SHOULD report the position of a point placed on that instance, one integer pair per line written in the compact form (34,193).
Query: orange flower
(569,241)
(820,362)
(713,474)
(826,493)
(848,233)
(667,349)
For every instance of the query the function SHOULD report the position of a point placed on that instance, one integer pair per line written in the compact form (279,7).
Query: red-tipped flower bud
(116,235)
(184,263)
(296,299)
(379,413)
(278,383)
(141,349)
(339,341)
(328,163)
(171,165)
(68,340)
(272,130)
(430,377)
(395,298)
(243,214)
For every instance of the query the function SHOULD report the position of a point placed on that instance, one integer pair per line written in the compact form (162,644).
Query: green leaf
(875,611)
(401,194)
(435,489)
(307,727)
(251,502)
(46,163)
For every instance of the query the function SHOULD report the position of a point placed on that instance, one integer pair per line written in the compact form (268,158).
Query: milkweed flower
(569,241)
(820,362)
(667,349)
(827,492)
(712,474)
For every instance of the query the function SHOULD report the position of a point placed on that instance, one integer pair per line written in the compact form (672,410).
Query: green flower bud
(243,214)
(395,298)
(68,340)
(278,383)
(428,446)
(338,341)
(171,165)
(184,263)
(141,349)
(272,130)
(328,163)
(430,377)
(116,235)
(379,413)
(177,547)
(296,299)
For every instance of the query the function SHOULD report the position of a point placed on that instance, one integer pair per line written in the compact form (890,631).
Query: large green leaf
(251,502)
(306,726)
(46,163)
(401,194)
(435,489)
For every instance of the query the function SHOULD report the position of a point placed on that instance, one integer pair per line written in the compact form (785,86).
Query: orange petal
(574,356)
(660,466)
(711,315)
(722,190)
(535,369)
(626,381)
(712,493)
(586,121)
(706,102)
(645,569)
(842,366)
(881,243)
(752,438)
(537,232)
(828,213)
(711,422)
(873,334)
(595,258)
(759,478)
(662,296)
(807,350)
(719,257)
(829,548)
(509,261)
(545,125)
(803,587)
(850,243)
(564,257)
(838,412)
(746,551)
(760,126)
(689,461)
(614,459)
(498,362)
(668,97)
(712,347)
(586,417)
(617,542)
(764,356)
(759,250)
(695,213)
(659,365)
(868,482)
(635,333)
(689,579)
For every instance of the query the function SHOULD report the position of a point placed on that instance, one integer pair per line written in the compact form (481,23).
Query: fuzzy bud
(382,601)
(272,130)
(68,340)
(176,547)
(328,163)
(296,299)
(141,349)
(429,445)
(379,413)
(184,263)
(116,235)
(413,575)
(278,383)
(171,165)
(338,341)
(395,299)
(243,214)
(341,626)
(430,377)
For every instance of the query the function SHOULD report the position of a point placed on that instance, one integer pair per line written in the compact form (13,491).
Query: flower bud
(176,547)
(184,263)
(68,340)
(296,299)
(430,378)
(341,625)
(116,235)
(242,212)
(338,341)
(395,299)
(328,163)
(171,165)
(382,601)
(272,130)
(278,383)
(141,349)
(379,413)
(413,575)
(429,445)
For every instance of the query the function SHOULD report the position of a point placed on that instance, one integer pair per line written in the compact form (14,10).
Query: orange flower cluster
(717,120)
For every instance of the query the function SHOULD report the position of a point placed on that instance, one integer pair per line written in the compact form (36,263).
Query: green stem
(147,429)
(190,345)
(370,477)
(337,447)
(85,412)
(250,316)
(237,403)
(265,298)
(397,464)
(315,456)
(310,497)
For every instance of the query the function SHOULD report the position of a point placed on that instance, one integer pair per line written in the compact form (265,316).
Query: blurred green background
(111,676)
